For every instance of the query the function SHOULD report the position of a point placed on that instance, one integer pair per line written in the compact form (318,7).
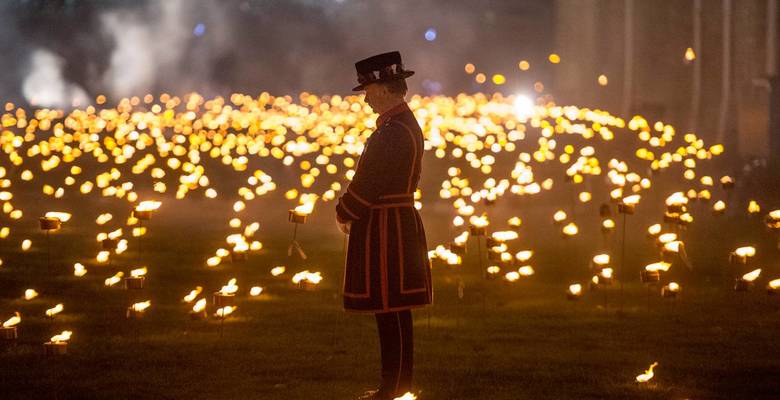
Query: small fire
(312,277)
(142,306)
(647,375)
(54,310)
(79,270)
(677,199)
(61,216)
(62,337)
(479,222)
(601,259)
(13,321)
(138,272)
(114,279)
(512,276)
(230,288)
(575,289)
(225,311)
(30,294)
(654,230)
(193,294)
(747,251)
(526,270)
(406,396)
(667,237)
(307,204)
(148,205)
(570,229)
(524,255)
(493,270)
(774,284)
(276,271)
(720,205)
(658,266)
(199,306)
(752,275)
(461,239)
(631,200)
(559,216)
(255,291)
(606,273)
(102,257)
(504,236)
(673,287)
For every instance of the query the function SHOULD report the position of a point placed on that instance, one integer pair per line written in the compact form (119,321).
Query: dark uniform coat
(387,266)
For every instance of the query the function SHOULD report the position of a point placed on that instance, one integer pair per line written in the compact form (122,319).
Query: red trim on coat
(383,256)
(397,109)
(357,197)
(401,258)
(367,263)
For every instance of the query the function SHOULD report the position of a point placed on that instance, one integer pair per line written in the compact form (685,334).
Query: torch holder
(649,277)
(296,217)
(133,314)
(142,215)
(675,209)
(222,300)
(625,208)
(494,256)
(668,293)
(477,230)
(742,285)
(54,349)
(49,223)
(572,297)
(8,333)
(134,282)
(306,285)
(459,249)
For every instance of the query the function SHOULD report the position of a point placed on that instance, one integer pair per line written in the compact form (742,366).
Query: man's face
(375,95)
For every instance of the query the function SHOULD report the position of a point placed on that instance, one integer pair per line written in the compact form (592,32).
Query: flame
(632,200)
(504,236)
(62,337)
(307,204)
(142,306)
(115,234)
(79,270)
(199,306)
(575,289)
(230,288)
(719,206)
(753,207)
(601,259)
(255,291)
(493,269)
(13,321)
(512,276)
(114,279)
(225,311)
(674,246)
(752,275)
(654,230)
(276,271)
(774,284)
(479,222)
(659,266)
(606,273)
(406,396)
(673,287)
(559,216)
(690,55)
(312,277)
(667,237)
(747,251)
(524,255)
(461,239)
(30,294)
(62,216)
(193,294)
(148,205)
(54,310)
(526,270)
(570,229)
(677,199)
(647,375)
(138,272)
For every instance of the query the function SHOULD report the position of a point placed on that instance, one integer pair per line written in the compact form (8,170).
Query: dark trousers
(396,342)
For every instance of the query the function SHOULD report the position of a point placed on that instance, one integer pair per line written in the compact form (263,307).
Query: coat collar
(385,116)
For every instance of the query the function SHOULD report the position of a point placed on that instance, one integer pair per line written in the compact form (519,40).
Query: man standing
(387,270)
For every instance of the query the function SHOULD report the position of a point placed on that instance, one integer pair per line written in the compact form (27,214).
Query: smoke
(45,86)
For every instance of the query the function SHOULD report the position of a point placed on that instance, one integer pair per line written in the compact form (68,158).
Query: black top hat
(380,68)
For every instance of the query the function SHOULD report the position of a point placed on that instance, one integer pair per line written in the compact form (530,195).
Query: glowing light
(642,378)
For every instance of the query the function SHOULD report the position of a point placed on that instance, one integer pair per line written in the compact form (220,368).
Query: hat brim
(403,75)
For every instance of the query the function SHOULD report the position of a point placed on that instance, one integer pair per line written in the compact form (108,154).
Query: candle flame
(752,275)
(138,272)
(148,205)
(747,251)
(54,310)
(406,396)
(255,291)
(114,279)
(774,284)
(276,271)
(193,294)
(659,266)
(61,216)
(225,311)
(30,294)
(631,200)
(601,259)
(575,289)
(142,306)
(13,321)
(199,306)
(230,288)
(648,374)
(312,277)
